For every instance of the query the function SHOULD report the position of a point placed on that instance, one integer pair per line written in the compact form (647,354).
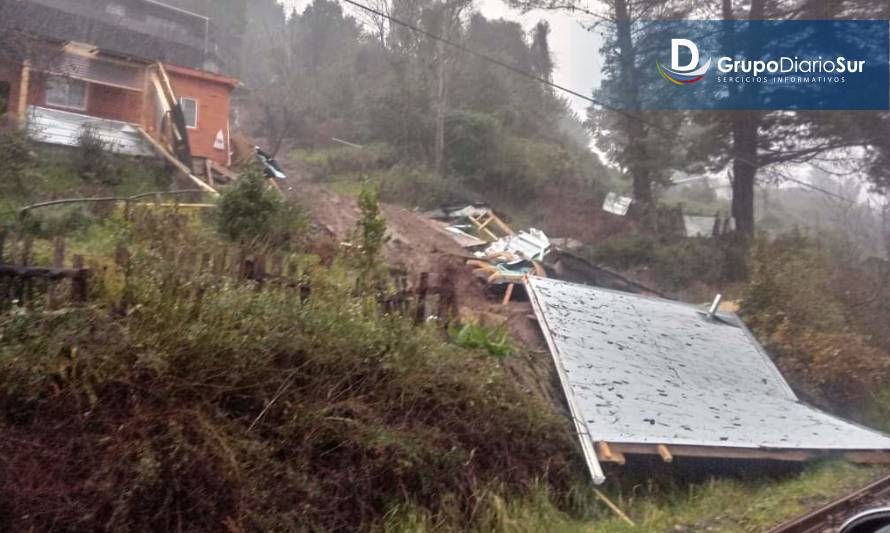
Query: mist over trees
(325,72)
(753,146)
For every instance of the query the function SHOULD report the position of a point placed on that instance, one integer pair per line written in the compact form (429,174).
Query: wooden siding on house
(213,96)
(210,91)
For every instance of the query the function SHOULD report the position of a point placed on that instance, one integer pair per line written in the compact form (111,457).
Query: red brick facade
(210,91)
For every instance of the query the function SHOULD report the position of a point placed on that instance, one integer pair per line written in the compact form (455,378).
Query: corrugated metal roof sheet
(64,128)
(643,370)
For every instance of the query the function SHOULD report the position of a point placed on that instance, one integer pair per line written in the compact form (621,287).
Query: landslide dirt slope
(418,245)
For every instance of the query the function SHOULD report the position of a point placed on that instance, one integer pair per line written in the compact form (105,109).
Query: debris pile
(504,259)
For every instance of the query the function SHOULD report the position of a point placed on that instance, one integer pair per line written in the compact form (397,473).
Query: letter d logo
(675,55)
(683,74)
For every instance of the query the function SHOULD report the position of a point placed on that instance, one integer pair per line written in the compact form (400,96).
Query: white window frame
(181,105)
(67,105)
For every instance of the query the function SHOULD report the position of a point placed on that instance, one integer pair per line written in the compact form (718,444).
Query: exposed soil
(418,245)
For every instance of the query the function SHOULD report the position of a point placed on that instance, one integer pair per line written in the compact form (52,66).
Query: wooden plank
(52,293)
(665,453)
(501,224)
(422,290)
(608,454)
(175,162)
(168,87)
(219,169)
(478,225)
(79,281)
(508,295)
(718,452)
(869,457)
(24,88)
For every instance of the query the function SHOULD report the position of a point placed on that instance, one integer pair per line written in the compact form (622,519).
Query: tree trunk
(745,144)
(745,135)
(634,126)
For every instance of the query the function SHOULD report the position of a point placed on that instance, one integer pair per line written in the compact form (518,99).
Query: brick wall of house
(213,97)
(103,101)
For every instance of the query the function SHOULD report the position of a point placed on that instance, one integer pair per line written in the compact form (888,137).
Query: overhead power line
(556,86)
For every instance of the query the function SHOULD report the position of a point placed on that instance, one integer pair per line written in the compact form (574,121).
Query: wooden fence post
(422,290)
(52,293)
(122,259)
(79,281)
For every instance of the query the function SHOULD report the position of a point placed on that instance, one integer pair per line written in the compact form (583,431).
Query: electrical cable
(557,86)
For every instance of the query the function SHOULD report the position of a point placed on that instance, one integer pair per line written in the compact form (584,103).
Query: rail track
(829,518)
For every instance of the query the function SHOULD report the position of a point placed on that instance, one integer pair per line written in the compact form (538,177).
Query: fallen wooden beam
(718,452)
(508,295)
(175,162)
(219,169)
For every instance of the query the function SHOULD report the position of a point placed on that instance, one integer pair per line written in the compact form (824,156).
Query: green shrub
(472,143)
(322,163)
(796,306)
(676,262)
(494,342)
(56,222)
(251,213)
(93,160)
(15,159)
(415,186)
(252,411)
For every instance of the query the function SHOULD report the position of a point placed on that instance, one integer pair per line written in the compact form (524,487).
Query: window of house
(66,92)
(116,10)
(190,111)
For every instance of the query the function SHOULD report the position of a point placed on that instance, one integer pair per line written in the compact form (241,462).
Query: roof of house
(68,20)
(639,370)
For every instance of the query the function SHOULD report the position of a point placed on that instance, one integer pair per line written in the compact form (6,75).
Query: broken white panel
(64,128)
(643,370)
(616,204)
(525,245)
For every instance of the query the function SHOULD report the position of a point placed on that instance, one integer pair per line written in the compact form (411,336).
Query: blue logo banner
(763,64)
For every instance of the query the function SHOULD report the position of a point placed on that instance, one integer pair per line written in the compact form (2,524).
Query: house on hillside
(140,74)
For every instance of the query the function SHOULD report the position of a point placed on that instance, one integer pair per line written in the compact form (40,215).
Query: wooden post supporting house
(24,88)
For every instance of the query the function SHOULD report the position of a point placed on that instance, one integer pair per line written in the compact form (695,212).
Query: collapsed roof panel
(53,126)
(642,370)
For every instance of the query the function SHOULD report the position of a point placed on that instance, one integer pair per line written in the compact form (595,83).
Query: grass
(722,506)
(246,410)
(734,506)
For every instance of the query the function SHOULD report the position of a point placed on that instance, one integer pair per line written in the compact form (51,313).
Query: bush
(494,342)
(252,411)
(794,303)
(15,159)
(251,213)
(49,222)
(93,159)
(418,187)
(677,263)
(472,141)
(322,163)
